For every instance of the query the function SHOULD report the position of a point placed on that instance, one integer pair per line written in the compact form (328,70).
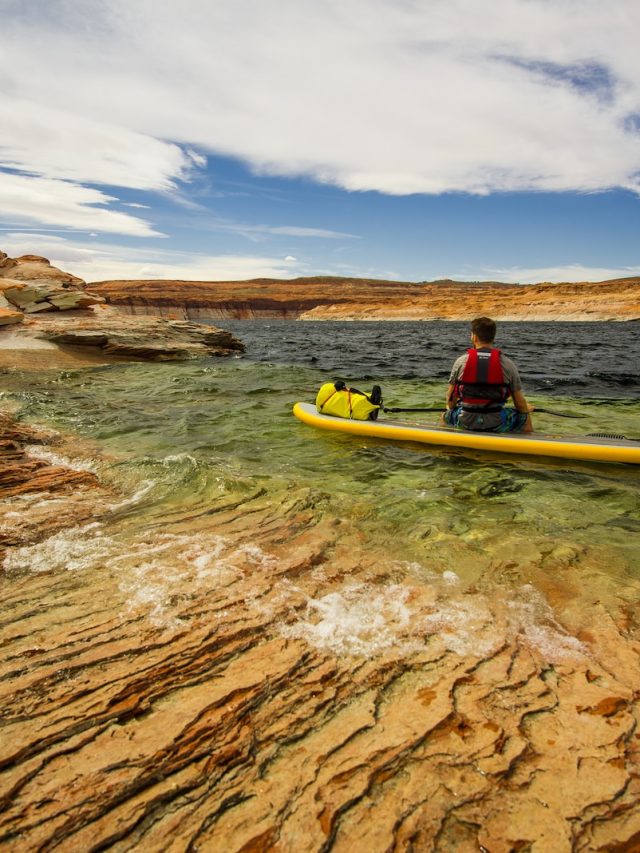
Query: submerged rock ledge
(226,714)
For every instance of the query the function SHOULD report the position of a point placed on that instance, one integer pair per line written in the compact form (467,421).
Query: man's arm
(521,403)
(452,397)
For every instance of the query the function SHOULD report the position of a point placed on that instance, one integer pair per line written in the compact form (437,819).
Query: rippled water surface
(181,439)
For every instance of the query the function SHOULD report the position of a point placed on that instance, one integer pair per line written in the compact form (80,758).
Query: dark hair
(484,329)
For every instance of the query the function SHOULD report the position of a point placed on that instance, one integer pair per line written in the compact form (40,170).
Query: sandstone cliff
(324,298)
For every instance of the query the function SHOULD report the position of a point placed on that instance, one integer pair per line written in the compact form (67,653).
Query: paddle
(441,409)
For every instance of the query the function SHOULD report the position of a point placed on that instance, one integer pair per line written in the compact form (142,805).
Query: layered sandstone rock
(195,703)
(9,316)
(42,492)
(85,338)
(32,285)
(36,269)
(145,338)
(367,299)
(60,315)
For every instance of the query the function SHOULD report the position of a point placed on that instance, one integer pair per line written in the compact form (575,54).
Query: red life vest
(482,386)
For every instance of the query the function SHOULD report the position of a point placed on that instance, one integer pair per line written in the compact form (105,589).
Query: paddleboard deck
(585,448)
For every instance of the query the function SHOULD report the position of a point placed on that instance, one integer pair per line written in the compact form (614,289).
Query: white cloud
(371,94)
(569,272)
(258,232)
(98,261)
(48,201)
(297,231)
(64,145)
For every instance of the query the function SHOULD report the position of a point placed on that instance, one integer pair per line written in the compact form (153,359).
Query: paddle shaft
(441,409)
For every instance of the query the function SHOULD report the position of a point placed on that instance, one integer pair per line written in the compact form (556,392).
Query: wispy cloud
(63,144)
(94,261)
(259,232)
(472,96)
(568,272)
(54,202)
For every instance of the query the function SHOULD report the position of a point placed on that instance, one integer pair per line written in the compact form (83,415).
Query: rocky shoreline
(223,725)
(43,491)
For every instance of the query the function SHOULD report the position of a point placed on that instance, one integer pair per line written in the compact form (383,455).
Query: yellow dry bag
(342,402)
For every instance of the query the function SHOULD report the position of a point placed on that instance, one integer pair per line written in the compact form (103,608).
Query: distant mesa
(31,285)
(334,298)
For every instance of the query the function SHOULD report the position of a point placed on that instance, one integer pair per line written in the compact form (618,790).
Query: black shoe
(375,397)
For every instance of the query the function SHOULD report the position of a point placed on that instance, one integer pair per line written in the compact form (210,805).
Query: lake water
(183,438)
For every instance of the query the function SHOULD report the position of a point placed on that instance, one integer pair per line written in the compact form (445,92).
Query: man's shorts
(506,420)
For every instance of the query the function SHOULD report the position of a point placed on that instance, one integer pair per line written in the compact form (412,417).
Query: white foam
(255,556)
(70,550)
(143,490)
(36,451)
(179,457)
(532,618)
(157,571)
(464,625)
(360,620)
(175,567)
(369,620)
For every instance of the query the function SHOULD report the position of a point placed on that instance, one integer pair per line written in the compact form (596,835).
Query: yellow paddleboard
(585,448)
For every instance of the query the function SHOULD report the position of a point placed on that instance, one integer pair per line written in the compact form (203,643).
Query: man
(480,384)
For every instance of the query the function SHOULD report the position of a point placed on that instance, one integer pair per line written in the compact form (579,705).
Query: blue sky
(407,139)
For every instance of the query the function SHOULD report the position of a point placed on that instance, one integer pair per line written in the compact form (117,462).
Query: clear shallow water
(181,439)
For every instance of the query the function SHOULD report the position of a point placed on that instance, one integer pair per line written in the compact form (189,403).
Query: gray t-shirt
(487,420)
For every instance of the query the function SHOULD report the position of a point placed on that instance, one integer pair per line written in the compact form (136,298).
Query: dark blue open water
(600,360)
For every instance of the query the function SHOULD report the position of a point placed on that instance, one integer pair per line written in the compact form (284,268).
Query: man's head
(484,330)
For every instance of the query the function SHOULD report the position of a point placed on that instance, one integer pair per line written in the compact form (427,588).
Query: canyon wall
(325,298)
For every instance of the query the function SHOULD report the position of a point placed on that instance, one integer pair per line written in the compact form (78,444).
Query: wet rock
(156,705)
(141,338)
(42,495)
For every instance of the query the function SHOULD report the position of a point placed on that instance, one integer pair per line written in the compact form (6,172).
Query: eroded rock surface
(146,338)
(35,268)
(32,285)
(42,491)
(54,308)
(251,679)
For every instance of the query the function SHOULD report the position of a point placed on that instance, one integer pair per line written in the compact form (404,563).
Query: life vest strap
(481,410)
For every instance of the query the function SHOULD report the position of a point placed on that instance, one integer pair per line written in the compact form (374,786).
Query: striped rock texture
(171,689)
